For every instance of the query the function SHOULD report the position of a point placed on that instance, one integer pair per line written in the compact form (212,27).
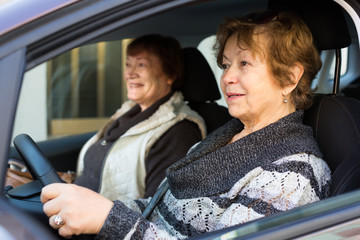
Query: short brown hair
(288,42)
(167,49)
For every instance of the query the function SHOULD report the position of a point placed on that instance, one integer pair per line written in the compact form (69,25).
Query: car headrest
(200,84)
(324,18)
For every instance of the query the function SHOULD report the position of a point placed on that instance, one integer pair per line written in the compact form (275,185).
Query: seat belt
(155,199)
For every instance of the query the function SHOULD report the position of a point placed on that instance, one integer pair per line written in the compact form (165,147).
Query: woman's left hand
(74,210)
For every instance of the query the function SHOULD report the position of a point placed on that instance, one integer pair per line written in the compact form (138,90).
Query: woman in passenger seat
(128,157)
(262,162)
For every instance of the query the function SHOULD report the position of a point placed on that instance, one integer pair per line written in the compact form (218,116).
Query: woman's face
(249,88)
(146,83)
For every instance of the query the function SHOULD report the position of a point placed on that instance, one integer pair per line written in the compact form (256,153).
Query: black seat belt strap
(156,198)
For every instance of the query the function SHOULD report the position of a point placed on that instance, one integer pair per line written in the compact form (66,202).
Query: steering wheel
(27,196)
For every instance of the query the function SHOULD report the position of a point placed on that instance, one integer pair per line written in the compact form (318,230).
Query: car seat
(336,124)
(200,89)
(335,119)
(353,89)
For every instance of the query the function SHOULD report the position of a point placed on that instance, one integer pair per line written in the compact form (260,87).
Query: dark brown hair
(288,41)
(167,49)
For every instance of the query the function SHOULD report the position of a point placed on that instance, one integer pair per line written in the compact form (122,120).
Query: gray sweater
(218,185)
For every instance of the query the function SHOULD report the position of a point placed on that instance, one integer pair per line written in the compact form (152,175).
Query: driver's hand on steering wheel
(74,210)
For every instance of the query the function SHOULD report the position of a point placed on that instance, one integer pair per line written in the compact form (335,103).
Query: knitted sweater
(218,185)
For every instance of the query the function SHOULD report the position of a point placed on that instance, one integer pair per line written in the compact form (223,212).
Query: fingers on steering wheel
(49,192)
(51,208)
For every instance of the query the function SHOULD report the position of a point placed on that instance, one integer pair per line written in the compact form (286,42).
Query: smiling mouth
(231,95)
(135,84)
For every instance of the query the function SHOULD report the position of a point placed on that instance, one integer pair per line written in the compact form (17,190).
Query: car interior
(201,90)
(334,117)
(333,114)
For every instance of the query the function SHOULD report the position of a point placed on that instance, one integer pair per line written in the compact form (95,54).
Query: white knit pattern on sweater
(278,191)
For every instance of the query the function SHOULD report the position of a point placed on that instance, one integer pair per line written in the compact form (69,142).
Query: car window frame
(10,84)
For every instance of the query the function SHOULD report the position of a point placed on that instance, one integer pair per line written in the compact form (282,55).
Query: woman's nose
(229,76)
(130,72)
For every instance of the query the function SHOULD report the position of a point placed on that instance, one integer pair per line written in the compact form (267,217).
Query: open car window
(77,91)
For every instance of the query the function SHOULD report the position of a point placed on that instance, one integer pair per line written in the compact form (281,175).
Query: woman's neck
(254,124)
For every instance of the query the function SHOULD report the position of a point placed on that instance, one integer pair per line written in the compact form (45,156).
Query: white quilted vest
(123,173)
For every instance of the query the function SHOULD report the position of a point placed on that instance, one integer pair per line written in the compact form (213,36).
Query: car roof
(16,13)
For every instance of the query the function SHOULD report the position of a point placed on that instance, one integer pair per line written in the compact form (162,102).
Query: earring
(285,99)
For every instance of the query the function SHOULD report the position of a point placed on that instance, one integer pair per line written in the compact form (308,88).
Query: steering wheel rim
(38,165)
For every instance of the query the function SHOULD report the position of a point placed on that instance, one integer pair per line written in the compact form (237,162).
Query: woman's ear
(296,73)
(170,81)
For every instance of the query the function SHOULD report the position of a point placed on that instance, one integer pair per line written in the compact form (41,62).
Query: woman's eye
(244,63)
(142,65)
(224,66)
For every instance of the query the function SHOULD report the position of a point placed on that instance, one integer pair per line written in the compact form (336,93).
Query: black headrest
(200,83)
(336,124)
(324,18)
